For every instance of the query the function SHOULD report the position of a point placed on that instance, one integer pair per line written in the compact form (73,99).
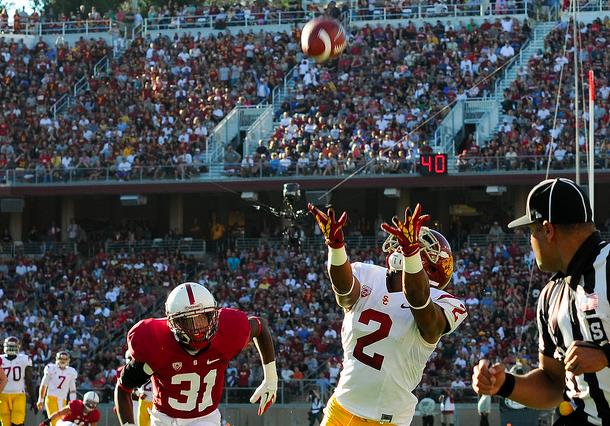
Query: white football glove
(267,390)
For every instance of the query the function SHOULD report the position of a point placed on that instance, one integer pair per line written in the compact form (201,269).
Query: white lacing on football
(338,49)
(323,35)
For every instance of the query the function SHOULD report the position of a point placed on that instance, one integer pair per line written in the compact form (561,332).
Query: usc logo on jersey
(385,300)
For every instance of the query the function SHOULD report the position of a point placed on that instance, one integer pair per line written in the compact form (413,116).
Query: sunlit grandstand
(136,154)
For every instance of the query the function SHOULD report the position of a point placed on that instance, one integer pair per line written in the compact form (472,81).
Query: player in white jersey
(18,370)
(393,319)
(58,381)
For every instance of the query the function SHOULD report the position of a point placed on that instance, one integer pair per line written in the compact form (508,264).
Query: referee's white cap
(559,201)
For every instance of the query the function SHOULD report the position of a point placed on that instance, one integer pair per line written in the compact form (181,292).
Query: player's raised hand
(407,233)
(330,227)
(266,393)
(488,379)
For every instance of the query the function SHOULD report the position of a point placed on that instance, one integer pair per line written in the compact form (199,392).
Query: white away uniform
(59,382)
(384,352)
(15,372)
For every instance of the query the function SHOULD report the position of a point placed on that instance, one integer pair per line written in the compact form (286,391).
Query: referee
(573,312)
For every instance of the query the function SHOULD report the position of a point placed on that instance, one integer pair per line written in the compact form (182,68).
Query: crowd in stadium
(82,305)
(162,97)
(376,107)
(532,125)
(155,109)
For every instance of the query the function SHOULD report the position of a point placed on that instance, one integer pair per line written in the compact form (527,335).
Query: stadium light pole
(591,139)
(577,147)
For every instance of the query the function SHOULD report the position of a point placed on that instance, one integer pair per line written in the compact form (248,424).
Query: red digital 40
(433,164)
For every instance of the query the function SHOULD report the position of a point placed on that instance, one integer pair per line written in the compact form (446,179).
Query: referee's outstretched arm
(541,388)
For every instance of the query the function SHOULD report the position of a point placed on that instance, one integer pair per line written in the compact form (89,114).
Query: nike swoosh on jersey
(212,361)
(405,306)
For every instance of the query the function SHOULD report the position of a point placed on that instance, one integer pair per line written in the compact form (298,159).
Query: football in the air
(323,39)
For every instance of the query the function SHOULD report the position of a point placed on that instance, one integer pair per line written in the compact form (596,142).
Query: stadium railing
(239,119)
(440,10)
(35,249)
(186,245)
(364,241)
(472,8)
(214,170)
(198,246)
(279,17)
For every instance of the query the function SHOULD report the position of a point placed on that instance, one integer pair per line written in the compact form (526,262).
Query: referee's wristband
(507,388)
(606,349)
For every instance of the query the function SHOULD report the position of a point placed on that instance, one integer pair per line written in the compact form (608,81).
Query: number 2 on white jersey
(192,392)
(385,323)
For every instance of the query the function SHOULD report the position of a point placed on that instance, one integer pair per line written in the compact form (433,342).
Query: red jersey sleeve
(144,341)
(234,325)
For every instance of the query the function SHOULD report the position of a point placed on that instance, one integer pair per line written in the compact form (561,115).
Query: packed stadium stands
(377,108)
(84,305)
(147,115)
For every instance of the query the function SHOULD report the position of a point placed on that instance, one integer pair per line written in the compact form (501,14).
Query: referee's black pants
(572,420)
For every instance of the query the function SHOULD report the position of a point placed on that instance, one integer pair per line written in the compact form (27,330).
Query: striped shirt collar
(581,260)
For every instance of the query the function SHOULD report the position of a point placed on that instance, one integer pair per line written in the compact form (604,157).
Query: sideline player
(58,381)
(77,412)
(394,318)
(145,403)
(142,399)
(18,370)
(186,355)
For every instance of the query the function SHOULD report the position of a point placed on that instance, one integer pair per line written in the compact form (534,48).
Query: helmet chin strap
(395,262)
(192,351)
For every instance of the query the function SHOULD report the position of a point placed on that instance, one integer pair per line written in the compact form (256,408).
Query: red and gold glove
(330,228)
(407,233)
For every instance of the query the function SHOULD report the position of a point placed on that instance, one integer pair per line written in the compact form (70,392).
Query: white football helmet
(192,315)
(91,400)
(11,346)
(435,252)
(62,359)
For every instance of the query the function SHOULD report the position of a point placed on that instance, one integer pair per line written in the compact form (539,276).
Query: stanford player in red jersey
(77,412)
(185,356)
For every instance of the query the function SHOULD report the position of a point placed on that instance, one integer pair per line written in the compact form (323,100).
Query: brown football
(323,39)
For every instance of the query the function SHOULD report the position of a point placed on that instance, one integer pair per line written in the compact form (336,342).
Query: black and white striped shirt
(575,307)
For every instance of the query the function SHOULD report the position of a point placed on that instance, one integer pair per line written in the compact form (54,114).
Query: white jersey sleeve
(15,373)
(384,352)
(59,382)
(454,309)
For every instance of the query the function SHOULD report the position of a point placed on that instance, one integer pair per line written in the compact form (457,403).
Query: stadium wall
(296,415)
(446,199)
